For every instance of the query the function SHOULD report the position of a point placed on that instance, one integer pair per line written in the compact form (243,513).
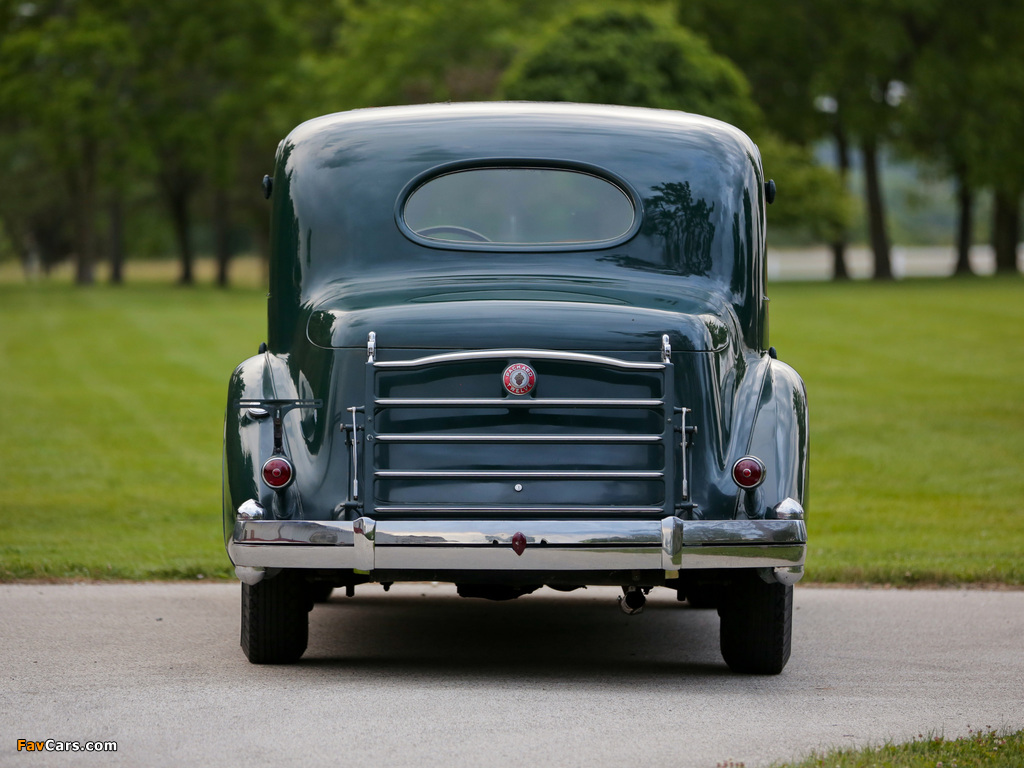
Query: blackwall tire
(320,593)
(702,597)
(756,626)
(275,619)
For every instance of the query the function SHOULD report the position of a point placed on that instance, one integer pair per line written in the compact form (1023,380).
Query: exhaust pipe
(632,601)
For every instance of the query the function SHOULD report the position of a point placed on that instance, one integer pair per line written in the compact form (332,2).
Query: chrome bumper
(670,545)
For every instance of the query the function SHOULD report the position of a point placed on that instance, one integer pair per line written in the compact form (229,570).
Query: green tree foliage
(120,105)
(939,79)
(640,57)
(849,55)
(415,51)
(205,83)
(634,56)
(965,110)
(865,72)
(812,200)
(778,46)
(64,86)
(36,222)
(93,94)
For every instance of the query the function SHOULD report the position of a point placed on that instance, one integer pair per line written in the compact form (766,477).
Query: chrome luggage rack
(365,474)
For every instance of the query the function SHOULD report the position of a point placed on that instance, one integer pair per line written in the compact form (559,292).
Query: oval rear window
(524,207)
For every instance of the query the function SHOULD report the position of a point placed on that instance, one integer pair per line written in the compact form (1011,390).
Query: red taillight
(277,472)
(748,472)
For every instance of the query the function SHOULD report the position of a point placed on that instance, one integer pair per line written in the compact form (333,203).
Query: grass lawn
(916,393)
(981,749)
(112,410)
(111,402)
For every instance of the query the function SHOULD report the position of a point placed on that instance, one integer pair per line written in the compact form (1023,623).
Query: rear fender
(780,438)
(248,438)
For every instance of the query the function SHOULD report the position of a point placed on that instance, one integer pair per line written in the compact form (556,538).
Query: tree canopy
(642,57)
(631,56)
(172,110)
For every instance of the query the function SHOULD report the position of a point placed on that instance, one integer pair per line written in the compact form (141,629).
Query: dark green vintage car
(517,345)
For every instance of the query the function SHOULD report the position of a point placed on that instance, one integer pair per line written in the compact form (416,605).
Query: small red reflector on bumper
(519,543)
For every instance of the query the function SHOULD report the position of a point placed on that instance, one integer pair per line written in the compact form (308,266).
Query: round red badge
(519,379)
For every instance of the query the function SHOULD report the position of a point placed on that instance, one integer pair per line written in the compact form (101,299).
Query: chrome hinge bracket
(354,429)
(278,408)
(685,442)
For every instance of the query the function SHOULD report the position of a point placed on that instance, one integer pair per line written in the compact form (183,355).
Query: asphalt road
(420,677)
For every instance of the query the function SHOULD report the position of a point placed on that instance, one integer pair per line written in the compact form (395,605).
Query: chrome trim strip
(514,402)
(590,533)
(671,530)
(518,438)
(670,544)
(521,510)
(535,473)
(505,559)
(365,531)
(333,533)
(533,354)
(498,558)
(710,532)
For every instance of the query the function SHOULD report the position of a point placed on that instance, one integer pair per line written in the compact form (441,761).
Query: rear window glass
(519,207)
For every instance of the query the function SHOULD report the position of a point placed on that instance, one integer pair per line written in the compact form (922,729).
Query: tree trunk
(839,271)
(83,196)
(876,211)
(222,233)
(24,246)
(1006,231)
(965,228)
(116,240)
(262,235)
(177,187)
(178,198)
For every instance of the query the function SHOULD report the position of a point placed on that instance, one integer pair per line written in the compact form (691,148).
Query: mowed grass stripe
(917,426)
(117,446)
(113,401)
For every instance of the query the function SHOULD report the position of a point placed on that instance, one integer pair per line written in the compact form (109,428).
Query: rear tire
(756,625)
(275,619)
(702,597)
(319,592)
